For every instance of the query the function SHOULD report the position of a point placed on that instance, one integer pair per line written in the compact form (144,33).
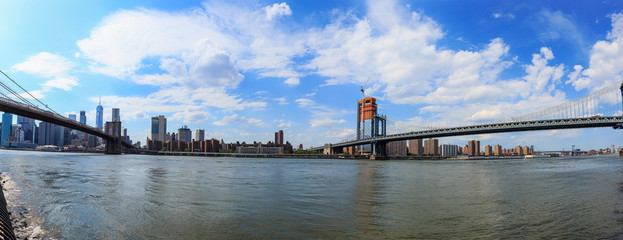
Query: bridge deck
(536,125)
(10,106)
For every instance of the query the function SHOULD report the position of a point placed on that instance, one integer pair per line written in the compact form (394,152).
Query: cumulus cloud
(194,114)
(292,82)
(195,56)
(50,66)
(277,9)
(240,120)
(606,61)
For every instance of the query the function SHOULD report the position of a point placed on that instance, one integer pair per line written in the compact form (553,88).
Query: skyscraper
(99,116)
(7,122)
(366,110)
(72,117)
(83,117)
(184,134)
(115,115)
(158,128)
(279,137)
(28,126)
(46,134)
(199,135)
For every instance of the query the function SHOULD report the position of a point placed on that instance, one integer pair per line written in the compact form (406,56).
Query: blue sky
(243,70)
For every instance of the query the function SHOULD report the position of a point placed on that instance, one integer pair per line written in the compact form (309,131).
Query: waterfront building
(396,148)
(184,134)
(99,116)
(449,150)
(415,147)
(519,150)
(497,150)
(431,147)
(350,149)
(474,148)
(279,137)
(199,135)
(211,145)
(259,149)
(115,115)
(153,145)
(7,122)
(488,150)
(158,128)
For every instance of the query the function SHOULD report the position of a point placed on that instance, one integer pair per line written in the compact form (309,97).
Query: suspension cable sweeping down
(45,105)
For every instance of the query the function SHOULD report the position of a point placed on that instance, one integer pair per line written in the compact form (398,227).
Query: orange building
(369,108)
(498,150)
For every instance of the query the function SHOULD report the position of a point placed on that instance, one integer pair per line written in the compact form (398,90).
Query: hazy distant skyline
(243,70)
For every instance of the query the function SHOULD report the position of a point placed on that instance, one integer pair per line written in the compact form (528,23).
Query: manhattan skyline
(242,71)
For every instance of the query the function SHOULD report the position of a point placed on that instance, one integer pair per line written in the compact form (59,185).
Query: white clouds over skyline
(223,63)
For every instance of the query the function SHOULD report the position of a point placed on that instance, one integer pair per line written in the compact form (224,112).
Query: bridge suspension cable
(20,96)
(587,106)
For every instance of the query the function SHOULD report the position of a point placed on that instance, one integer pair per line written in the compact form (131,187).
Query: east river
(93,196)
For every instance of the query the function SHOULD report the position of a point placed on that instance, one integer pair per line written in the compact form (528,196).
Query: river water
(93,196)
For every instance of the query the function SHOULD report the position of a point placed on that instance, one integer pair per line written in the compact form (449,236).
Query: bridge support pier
(113,146)
(330,150)
(378,151)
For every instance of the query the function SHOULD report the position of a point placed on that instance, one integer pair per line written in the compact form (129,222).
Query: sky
(244,70)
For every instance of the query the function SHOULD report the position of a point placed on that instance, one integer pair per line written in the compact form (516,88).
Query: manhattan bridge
(601,108)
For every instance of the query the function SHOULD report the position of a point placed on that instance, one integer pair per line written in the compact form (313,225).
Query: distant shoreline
(295,156)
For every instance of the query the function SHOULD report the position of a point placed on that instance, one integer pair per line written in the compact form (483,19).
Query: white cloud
(326,122)
(240,120)
(281,101)
(292,82)
(606,61)
(186,103)
(554,25)
(65,83)
(46,65)
(192,114)
(283,124)
(277,9)
(50,66)
(504,16)
(305,102)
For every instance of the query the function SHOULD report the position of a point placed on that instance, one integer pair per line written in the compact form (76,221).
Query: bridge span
(615,122)
(113,143)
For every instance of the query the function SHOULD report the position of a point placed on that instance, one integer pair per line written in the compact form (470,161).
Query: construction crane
(363,88)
